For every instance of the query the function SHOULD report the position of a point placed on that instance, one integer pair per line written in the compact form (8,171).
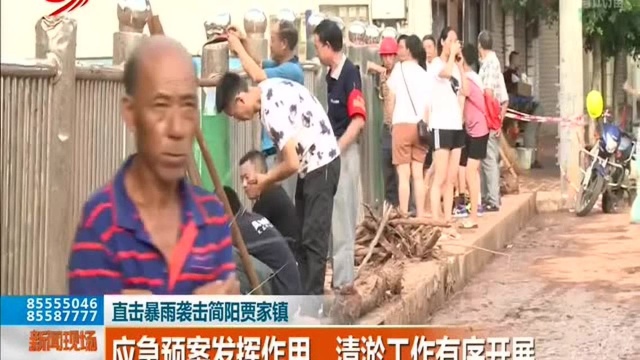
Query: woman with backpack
(445,120)
(477,133)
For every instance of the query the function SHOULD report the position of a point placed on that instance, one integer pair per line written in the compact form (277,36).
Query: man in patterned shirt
(493,81)
(300,128)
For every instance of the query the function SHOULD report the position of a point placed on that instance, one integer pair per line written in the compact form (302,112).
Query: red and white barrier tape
(513,114)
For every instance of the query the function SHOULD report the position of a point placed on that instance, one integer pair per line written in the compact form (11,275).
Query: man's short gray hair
(485,40)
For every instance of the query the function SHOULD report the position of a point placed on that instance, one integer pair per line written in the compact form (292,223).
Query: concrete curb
(436,281)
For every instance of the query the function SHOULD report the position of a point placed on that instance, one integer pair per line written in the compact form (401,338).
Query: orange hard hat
(388,46)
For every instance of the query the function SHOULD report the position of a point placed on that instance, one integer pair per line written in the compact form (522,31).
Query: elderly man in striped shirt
(149,230)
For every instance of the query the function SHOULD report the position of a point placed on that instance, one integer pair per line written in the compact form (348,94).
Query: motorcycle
(608,172)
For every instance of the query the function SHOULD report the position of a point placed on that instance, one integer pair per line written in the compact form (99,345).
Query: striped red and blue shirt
(112,250)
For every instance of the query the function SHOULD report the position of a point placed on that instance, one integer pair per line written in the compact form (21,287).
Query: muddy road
(573,283)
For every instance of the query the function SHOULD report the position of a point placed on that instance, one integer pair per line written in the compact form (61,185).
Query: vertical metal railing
(26,108)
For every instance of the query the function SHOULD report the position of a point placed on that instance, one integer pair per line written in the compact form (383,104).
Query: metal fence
(63,138)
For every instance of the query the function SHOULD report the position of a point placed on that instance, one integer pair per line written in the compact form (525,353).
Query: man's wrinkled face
(323,51)
(248,172)
(163,113)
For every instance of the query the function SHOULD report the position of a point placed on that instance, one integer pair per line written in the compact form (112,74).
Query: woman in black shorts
(445,119)
(477,133)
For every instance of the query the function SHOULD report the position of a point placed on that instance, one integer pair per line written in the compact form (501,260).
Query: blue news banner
(51,328)
(52,311)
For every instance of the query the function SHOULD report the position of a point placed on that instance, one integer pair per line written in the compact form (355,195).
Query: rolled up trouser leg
(345,216)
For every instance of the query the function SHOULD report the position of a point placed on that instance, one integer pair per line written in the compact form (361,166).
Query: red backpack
(492,111)
(494,121)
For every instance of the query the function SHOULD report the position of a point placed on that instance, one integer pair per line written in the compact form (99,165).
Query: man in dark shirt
(273,203)
(347,114)
(512,74)
(267,245)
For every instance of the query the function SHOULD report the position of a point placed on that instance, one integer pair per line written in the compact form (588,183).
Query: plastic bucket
(525,157)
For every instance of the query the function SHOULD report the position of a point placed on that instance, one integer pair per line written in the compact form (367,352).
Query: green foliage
(545,10)
(617,26)
(616,23)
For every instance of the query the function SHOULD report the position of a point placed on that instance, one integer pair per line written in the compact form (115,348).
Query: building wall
(496,26)
(520,36)
(549,77)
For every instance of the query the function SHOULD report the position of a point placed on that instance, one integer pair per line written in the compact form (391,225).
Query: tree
(611,29)
(616,27)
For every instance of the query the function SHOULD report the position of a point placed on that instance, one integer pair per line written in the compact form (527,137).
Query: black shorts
(475,148)
(448,139)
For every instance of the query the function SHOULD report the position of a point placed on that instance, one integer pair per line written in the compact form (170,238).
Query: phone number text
(71,316)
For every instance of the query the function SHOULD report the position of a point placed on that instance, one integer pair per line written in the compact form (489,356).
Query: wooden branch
(376,239)
(368,293)
(419,221)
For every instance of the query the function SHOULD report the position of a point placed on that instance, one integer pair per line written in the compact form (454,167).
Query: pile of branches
(392,235)
(382,245)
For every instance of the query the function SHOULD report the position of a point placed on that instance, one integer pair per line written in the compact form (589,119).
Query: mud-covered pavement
(572,283)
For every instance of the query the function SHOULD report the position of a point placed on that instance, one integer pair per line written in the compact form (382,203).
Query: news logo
(69,6)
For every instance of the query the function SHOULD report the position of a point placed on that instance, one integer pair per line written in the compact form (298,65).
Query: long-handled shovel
(236,236)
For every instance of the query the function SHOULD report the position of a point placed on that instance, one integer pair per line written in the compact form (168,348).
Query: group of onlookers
(440,157)
(437,143)
(151,231)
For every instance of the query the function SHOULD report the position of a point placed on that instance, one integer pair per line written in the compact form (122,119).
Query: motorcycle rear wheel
(588,196)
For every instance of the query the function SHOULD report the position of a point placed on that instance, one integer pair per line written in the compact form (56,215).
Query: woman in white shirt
(429,44)
(445,119)
(408,87)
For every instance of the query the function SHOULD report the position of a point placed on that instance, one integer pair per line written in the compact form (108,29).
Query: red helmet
(388,46)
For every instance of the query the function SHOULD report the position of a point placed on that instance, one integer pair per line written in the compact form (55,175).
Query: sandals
(467,225)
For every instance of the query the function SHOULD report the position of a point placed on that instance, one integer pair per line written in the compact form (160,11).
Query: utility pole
(570,98)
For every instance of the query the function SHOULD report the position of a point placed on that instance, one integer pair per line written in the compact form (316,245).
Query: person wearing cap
(388,54)
(347,113)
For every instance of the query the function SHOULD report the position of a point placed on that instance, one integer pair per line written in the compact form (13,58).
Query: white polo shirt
(411,97)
